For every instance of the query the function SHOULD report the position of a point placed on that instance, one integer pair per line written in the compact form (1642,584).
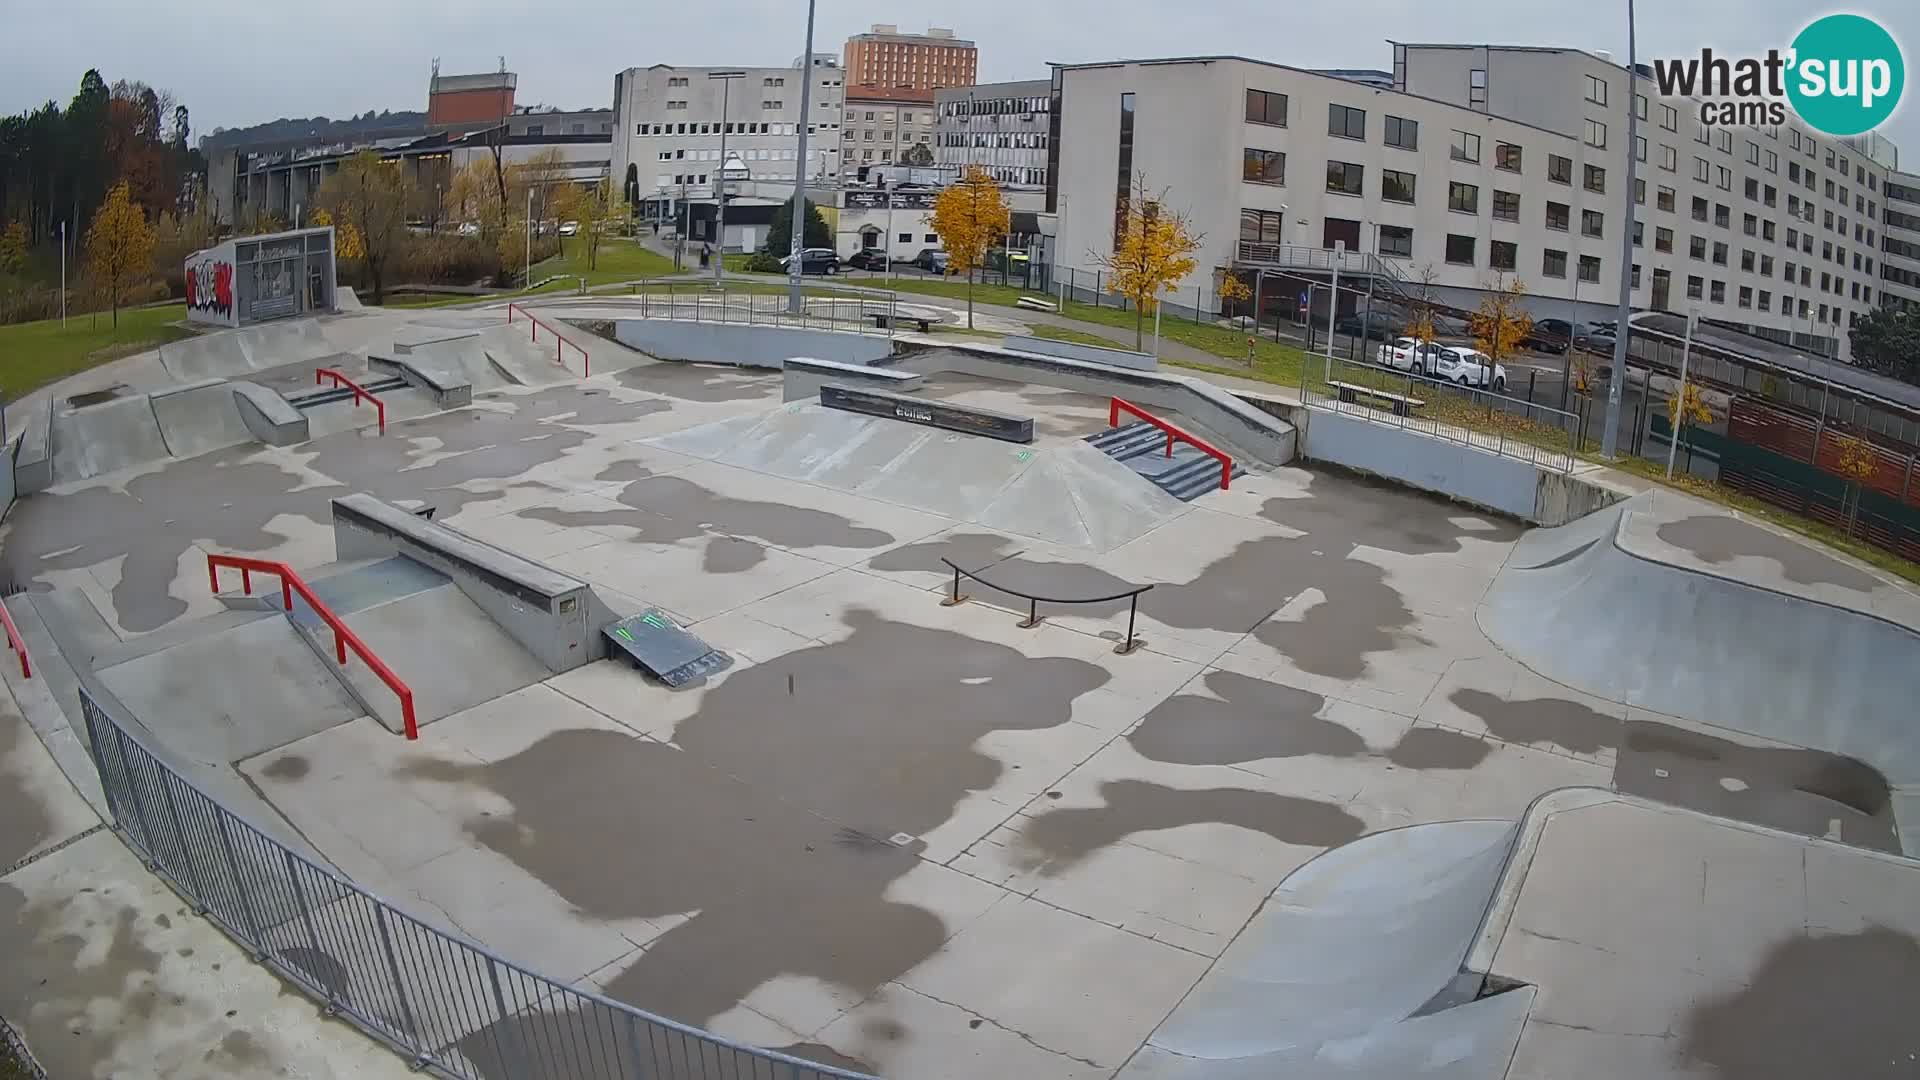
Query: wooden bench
(1351,393)
(1034,303)
(881,319)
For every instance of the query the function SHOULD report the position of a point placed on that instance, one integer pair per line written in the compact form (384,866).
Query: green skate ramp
(1348,971)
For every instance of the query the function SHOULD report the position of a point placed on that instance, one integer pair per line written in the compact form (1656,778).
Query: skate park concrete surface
(1347,811)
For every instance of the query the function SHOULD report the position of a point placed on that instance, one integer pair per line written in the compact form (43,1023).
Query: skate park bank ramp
(1583,605)
(93,435)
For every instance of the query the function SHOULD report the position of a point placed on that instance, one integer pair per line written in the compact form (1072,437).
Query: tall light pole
(796,264)
(527,282)
(725,79)
(1610,438)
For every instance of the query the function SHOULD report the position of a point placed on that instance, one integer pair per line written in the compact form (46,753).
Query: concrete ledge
(1235,424)
(1093,354)
(747,346)
(411,340)
(450,389)
(804,376)
(969,419)
(269,416)
(546,611)
(33,454)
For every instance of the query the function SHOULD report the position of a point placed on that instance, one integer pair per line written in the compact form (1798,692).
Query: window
(1507,156)
(1830,190)
(1640,106)
(1662,239)
(1702,136)
(1263,167)
(1559,169)
(1639,148)
(1719,253)
(1793,208)
(1697,247)
(1463,198)
(1696,287)
(1753,153)
(1396,240)
(1403,133)
(1265,108)
(1773,163)
(1590,268)
(1750,225)
(1701,170)
(1261,226)
(1596,134)
(1346,123)
(1553,263)
(1722,215)
(1723,139)
(931,238)
(1751,189)
(1766,300)
(1344,177)
(1396,186)
(1596,179)
(1771,196)
(1506,206)
(1557,215)
(1669,118)
(1719,292)
(906,238)
(1669,158)
(1477,87)
(1663,199)
(1460,249)
(1596,90)
(1793,172)
(1639,233)
(1699,208)
(1466,146)
(1592,223)
(1504,255)
(1636,277)
(1639,191)
(1766,266)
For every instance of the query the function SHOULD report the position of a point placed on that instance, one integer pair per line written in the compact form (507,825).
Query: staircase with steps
(1186,475)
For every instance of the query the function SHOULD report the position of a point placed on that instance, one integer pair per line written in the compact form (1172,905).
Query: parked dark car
(1548,335)
(932,260)
(815,261)
(1377,324)
(868,259)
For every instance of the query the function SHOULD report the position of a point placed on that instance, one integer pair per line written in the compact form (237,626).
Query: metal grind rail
(1131,596)
(321,375)
(559,350)
(343,638)
(1118,406)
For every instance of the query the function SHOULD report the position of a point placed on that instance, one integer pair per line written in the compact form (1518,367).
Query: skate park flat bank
(1200,737)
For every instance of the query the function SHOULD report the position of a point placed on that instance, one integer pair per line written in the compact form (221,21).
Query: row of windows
(717,128)
(1016,140)
(996,106)
(749,154)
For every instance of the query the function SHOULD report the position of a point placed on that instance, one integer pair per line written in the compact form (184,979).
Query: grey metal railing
(15,1055)
(747,305)
(450,1005)
(1484,419)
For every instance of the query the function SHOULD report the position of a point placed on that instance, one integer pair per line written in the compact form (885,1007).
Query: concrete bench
(881,319)
(1034,303)
(1351,393)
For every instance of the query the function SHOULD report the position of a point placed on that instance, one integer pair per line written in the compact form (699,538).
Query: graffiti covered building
(250,279)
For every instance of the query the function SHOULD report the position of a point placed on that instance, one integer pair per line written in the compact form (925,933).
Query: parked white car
(1468,367)
(1408,354)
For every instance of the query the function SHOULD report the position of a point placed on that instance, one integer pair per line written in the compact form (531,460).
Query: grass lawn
(618,259)
(37,353)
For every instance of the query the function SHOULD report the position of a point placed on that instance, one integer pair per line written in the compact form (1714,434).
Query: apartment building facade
(1000,127)
(1900,242)
(881,125)
(886,57)
(668,127)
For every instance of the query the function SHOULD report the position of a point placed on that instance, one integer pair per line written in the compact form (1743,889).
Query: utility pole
(63,275)
(527,282)
(1680,413)
(795,304)
(726,79)
(1610,438)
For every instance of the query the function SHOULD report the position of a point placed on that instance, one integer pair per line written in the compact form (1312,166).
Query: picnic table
(1351,393)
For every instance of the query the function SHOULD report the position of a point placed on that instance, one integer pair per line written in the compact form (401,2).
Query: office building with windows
(886,57)
(1900,242)
(668,127)
(1000,127)
(1481,162)
(882,126)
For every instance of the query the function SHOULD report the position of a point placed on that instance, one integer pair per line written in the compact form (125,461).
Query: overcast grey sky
(237,62)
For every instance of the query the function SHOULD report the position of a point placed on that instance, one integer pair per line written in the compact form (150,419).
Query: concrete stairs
(1186,476)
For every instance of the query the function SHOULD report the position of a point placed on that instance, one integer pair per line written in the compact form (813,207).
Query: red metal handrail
(343,638)
(16,642)
(339,379)
(1117,406)
(560,350)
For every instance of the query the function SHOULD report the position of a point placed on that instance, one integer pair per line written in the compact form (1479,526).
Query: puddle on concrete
(1255,720)
(1438,748)
(95,397)
(287,767)
(1717,538)
(779,524)
(973,551)
(623,472)
(74,1013)
(24,825)
(1374,513)
(1554,722)
(1057,839)
(1836,1005)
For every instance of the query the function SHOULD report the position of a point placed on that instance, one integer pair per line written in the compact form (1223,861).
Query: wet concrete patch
(24,824)
(1059,838)
(1717,538)
(973,551)
(1373,513)
(691,382)
(1838,1005)
(287,767)
(1252,720)
(74,1000)
(778,524)
(623,472)
(1438,748)
(1557,722)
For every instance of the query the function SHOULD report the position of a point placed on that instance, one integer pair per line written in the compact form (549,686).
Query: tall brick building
(885,57)
(468,102)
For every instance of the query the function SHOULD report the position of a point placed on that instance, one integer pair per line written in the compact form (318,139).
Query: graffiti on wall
(210,287)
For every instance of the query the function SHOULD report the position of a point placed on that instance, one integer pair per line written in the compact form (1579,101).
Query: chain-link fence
(16,1061)
(762,305)
(1483,419)
(450,1005)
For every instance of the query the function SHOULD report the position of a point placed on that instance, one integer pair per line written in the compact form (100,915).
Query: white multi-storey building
(1000,127)
(1900,242)
(1485,161)
(668,127)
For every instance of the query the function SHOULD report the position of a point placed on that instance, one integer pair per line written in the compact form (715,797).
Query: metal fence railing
(15,1056)
(1483,419)
(762,305)
(450,1005)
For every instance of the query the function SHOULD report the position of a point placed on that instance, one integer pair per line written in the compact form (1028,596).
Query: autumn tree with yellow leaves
(1501,323)
(1685,409)
(1856,463)
(1231,290)
(593,207)
(1152,254)
(369,197)
(119,244)
(969,216)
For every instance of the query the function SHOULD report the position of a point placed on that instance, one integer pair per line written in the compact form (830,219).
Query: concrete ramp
(1327,979)
(216,355)
(97,439)
(199,418)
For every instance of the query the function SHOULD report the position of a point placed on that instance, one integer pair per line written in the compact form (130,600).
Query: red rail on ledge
(16,642)
(343,638)
(359,392)
(1113,420)
(560,350)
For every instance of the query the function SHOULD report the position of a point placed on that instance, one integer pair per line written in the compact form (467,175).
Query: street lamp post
(1680,413)
(1610,438)
(725,79)
(796,265)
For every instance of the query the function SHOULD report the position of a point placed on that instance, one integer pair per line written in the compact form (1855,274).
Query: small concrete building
(251,279)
